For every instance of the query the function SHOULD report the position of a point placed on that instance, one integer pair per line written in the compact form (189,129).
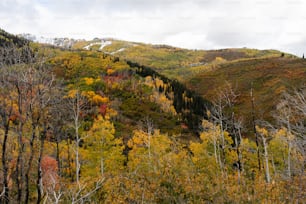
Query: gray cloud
(205,24)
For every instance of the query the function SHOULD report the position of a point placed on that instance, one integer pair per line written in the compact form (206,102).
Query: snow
(87,47)
(102,44)
(120,50)
(105,43)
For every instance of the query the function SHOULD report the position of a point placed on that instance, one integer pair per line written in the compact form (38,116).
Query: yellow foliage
(103,150)
(89,94)
(94,98)
(165,104)
(110,71)
(88,80)
(72,93)
(148,80)
(99,99)
(139,138)
(264,132)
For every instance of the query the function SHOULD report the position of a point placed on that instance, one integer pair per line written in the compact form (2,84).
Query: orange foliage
(49,169)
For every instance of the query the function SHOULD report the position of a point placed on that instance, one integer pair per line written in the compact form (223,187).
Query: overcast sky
(195,24)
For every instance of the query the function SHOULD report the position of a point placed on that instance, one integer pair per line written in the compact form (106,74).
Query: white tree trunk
(266,157)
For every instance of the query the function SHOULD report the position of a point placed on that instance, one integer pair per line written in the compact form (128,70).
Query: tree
(76,104)
(18,78)
(59,121)
(264,138)
(212,170)
(8,115)
(290,115)
(103,151)
(37,85)
(50,178)
(224,115)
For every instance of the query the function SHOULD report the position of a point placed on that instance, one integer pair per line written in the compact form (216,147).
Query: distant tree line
(14,50)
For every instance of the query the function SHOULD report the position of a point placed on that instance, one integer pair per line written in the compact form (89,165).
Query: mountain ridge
(192,67)
(67,42)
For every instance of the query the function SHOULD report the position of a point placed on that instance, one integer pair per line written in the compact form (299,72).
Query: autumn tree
(103,151)
(76,104)
(225,116)
(290,115)
(265,137)
(8,115)
(207,158)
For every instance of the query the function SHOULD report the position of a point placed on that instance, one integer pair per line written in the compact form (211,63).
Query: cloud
(205,24)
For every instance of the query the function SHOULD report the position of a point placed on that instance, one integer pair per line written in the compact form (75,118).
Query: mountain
(268,72)
(110,121)
(206,71)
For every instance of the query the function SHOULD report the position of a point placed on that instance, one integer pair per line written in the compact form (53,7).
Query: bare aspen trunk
(77,106)
(6,111)
(39,184)
(76,124)
(215,150)
(266,157)
(27,174)
(20,163)
(289,146)
(222,161)
(20,168)
(5,198)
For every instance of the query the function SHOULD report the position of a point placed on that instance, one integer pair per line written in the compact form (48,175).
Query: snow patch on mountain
(102,44)
(87,47)
(120,50)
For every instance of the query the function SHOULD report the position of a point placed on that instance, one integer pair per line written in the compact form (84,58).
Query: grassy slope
(178,63)
(270,77)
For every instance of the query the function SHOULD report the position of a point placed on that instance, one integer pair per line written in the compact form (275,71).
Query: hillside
(110,121)
(172,61)
(131,96)
(14,50)
(7,39)
(206,71)
(268,77)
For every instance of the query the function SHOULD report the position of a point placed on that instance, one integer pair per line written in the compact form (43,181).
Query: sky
(193,24)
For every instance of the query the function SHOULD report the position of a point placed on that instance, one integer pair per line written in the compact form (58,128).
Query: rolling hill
(268,77)
(204,71)
(109,121)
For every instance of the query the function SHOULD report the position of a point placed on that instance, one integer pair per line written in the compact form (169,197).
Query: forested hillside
(86,126)
(267,72)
